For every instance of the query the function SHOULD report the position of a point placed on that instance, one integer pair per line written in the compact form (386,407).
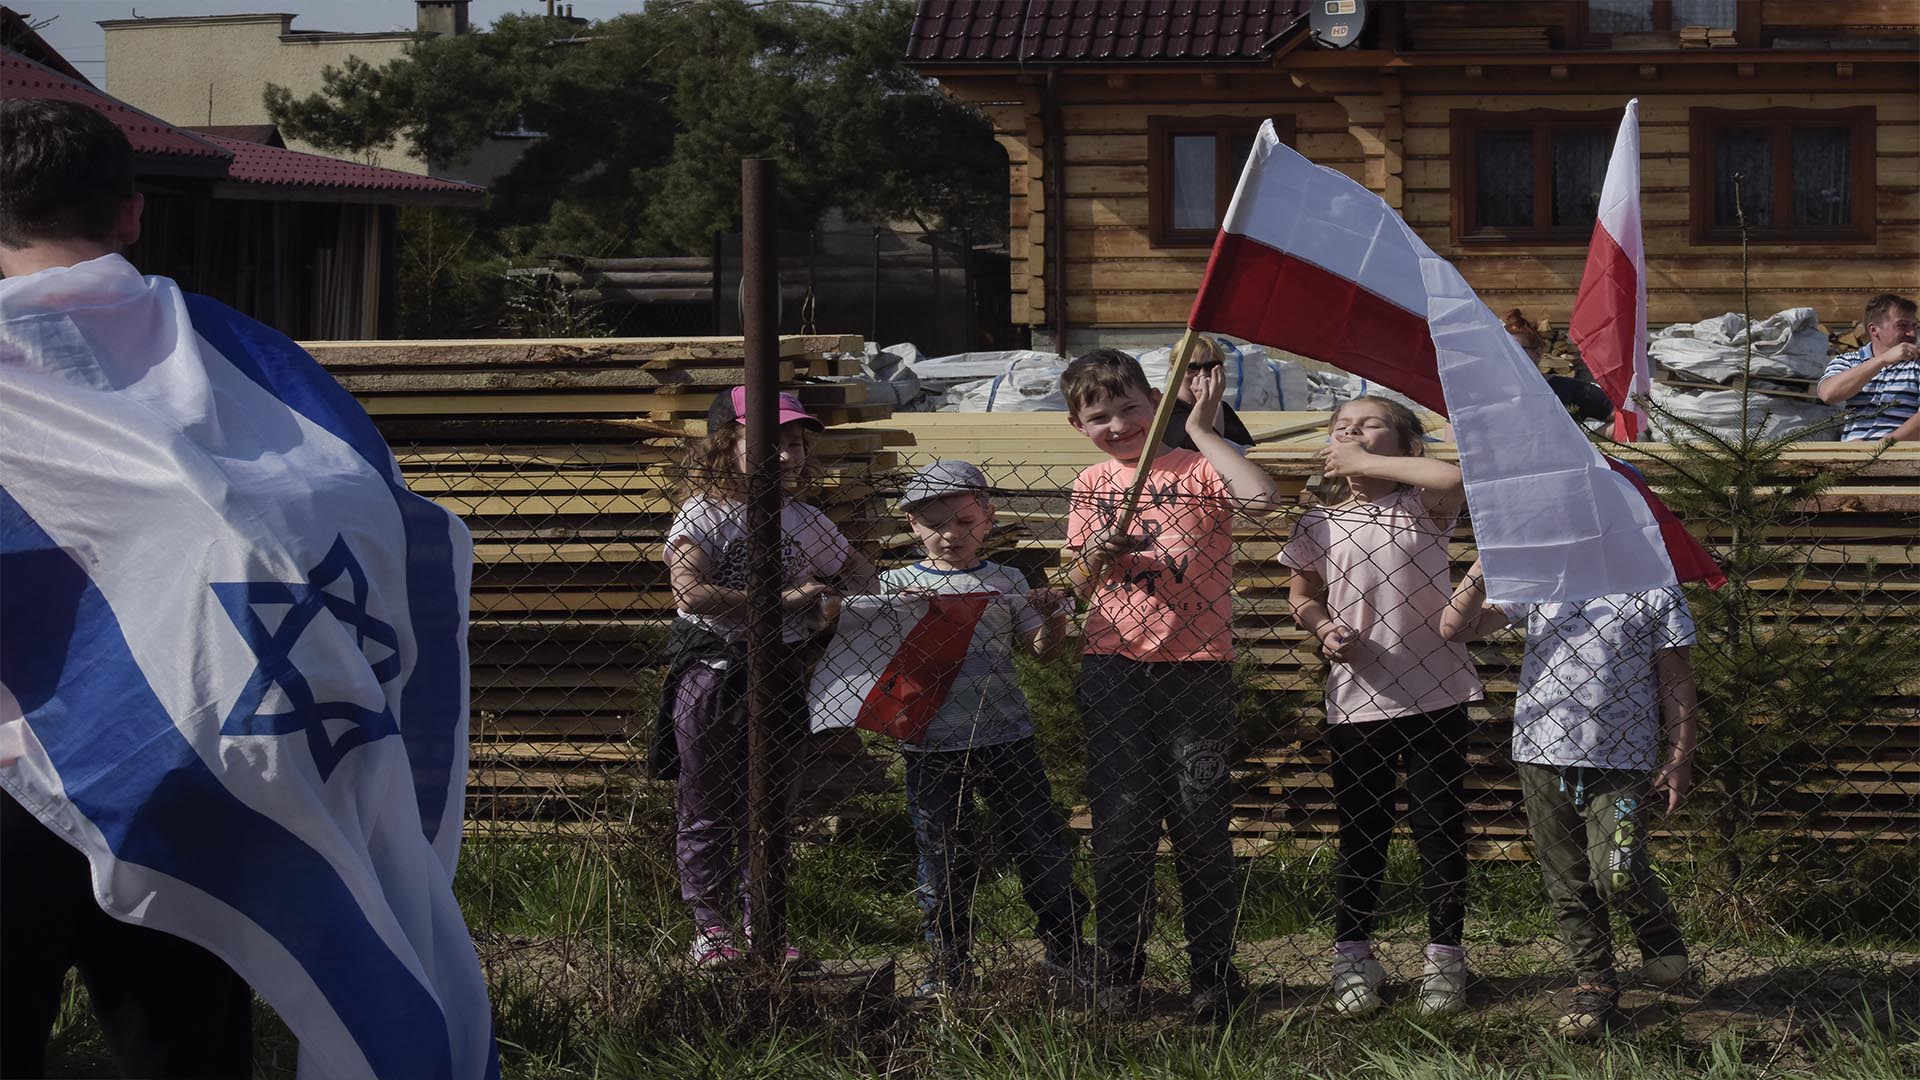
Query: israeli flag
(234,670)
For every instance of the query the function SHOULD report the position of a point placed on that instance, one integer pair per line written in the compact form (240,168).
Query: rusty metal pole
(766,753)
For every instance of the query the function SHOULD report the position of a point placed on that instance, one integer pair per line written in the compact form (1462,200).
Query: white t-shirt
(985,706)
(812,547)
(1589,692)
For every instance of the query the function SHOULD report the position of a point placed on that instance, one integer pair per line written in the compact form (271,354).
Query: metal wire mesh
(1130,835)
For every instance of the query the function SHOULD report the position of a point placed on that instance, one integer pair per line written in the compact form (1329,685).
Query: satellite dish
(1336,24)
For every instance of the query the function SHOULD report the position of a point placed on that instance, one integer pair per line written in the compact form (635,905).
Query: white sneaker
(1443,989)
(1665,971)
(1356,985)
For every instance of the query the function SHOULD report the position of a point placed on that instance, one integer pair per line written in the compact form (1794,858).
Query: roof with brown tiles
(1021,32)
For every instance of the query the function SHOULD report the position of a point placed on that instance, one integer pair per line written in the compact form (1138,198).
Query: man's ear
(1074,419)
(1154,396)
(126,223)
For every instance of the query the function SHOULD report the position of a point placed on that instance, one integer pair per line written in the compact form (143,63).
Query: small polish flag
(893,660)
(1309,261)
(1609,321)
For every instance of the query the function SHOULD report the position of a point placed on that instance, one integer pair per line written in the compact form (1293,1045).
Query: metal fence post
(767,774)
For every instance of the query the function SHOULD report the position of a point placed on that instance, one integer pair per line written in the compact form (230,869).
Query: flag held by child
(235,673)
(1310,261)
(1609,321)
(893,660)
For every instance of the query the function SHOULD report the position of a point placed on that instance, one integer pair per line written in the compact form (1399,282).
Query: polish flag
(893,660)
(1309,261)
(1609,321)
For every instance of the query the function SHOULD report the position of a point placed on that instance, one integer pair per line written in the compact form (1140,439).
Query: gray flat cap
(942,478)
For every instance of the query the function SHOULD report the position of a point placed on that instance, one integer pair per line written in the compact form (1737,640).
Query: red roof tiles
(162,147)
(151,137)
(257,163)
(1099,31)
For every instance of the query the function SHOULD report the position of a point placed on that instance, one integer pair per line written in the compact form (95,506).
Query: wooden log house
(1486,125)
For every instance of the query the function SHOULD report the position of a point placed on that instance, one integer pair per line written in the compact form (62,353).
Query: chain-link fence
(1267,761)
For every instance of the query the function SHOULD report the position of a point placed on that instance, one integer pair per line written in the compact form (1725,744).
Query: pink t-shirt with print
(1386,569)
(1174,599)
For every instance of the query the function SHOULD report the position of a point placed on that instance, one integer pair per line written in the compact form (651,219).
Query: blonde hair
(709,466)
(1407,431)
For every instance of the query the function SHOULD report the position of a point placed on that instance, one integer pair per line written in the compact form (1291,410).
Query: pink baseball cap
(731,408)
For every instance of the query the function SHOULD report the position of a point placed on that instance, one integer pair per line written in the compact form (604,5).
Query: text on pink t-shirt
(1172,600)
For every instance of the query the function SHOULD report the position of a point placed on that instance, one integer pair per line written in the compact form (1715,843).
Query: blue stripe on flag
(117,752)
(286,371)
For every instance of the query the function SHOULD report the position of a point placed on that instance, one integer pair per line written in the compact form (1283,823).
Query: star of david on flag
(235,674)
(273,646)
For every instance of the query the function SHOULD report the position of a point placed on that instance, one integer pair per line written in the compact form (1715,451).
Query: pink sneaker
(713,948)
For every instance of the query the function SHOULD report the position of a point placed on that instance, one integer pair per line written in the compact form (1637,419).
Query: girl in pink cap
(700,738)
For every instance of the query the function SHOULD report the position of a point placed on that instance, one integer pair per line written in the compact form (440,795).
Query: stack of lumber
(438,390)
(1708,37)
(562,458)
(1867,786)
(1479,38)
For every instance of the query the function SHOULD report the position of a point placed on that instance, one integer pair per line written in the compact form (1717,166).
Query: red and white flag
(1609,321)
(1309,261)
(893,660)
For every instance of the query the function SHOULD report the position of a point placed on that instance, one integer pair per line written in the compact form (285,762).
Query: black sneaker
(1218,996)
(1593,1005)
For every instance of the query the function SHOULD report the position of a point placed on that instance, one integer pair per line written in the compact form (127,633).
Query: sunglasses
(1205,365)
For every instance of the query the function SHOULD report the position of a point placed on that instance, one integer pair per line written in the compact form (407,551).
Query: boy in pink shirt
(1156,689)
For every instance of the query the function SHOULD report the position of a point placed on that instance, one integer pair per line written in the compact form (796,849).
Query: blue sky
(74,31)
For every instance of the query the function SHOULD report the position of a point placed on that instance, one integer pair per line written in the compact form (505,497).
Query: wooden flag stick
(1162,417)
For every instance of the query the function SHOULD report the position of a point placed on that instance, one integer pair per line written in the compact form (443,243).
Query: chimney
(441,17)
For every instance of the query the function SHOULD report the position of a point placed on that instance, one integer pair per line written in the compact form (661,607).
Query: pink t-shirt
(1386,569)
(1174,599)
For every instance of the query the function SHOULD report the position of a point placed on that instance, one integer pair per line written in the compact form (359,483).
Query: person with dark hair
(233,690)
(66,186)
(167,1006)
(1879,382)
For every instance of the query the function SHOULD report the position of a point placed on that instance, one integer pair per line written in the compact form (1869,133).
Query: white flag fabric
(235,672)
(893,660)
(1310,261)
(1609,321)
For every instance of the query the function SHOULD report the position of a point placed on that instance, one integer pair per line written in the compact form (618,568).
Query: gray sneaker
(1593,1005)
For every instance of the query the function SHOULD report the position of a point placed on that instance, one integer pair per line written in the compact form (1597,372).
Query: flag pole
(1162,419)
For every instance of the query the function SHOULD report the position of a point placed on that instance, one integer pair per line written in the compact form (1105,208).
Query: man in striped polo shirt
(1879,382)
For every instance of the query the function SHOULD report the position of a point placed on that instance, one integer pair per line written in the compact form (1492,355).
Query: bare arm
(1468,615)
(1837,389)
(1306,594)
(1251,486)
(1441,487)
(687,568)
(856,575)
(1052,606)
(1679,701)
(1909,431)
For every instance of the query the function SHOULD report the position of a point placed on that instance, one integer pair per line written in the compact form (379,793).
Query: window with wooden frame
(1530,177)
(1801,175)
(1594,23)
(1193,164)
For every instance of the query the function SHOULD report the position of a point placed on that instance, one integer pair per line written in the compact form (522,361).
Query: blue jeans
(941,785)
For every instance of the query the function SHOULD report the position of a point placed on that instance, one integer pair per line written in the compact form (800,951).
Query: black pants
(1158,749)
(1432,748)
(168,1007)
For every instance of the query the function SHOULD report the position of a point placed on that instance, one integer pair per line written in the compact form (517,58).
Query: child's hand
(1675,780)
(1047,601)
(803,595)
(1339,460)
(1208,385)
(1337,640)
(1110,542)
